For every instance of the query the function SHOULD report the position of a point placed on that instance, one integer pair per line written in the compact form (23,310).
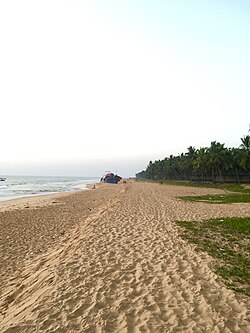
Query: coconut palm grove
(216,163)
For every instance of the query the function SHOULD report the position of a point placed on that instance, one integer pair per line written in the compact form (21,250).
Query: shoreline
(32,226)
(21,201)
(35,199)
(19,187)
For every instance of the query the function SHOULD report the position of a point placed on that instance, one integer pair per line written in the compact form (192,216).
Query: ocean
(22,186)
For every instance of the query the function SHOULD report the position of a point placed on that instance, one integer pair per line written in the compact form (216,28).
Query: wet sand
(111,260)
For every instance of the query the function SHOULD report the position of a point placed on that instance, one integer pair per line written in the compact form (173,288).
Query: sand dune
(121,267)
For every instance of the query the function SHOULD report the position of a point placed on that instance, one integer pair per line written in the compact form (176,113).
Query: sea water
(22,186)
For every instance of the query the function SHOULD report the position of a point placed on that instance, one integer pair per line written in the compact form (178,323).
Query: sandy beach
(110,259)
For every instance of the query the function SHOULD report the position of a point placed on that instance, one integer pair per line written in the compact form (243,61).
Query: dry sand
(111,260)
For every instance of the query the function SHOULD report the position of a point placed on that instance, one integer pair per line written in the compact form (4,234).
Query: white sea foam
(22,186)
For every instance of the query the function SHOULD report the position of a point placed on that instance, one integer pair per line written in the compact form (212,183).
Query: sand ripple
(125,269)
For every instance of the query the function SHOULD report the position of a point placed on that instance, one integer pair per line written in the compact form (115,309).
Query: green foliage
(218,198)
(227,240)
(207,164)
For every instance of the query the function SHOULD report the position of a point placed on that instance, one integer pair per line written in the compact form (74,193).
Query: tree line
(216,163)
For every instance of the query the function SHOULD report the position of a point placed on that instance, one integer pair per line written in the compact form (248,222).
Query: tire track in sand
(126,270)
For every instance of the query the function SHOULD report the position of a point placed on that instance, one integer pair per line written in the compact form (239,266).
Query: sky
(88,86)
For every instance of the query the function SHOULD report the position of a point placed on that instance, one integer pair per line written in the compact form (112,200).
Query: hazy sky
(94,85)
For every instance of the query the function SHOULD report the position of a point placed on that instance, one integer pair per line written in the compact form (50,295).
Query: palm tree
(189,162)
(201,163)
(245,153)
(234,162)
(216,162)
(205,163)
(245,143)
